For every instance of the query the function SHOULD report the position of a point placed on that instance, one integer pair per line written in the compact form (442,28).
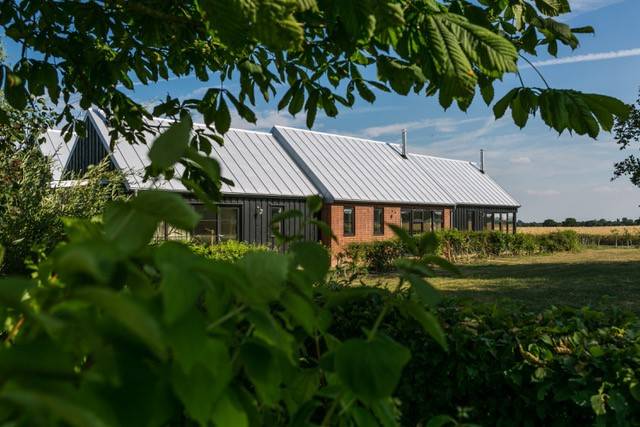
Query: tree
(627,133)
(318,52)
(549,223)
(114,331)
(570,222)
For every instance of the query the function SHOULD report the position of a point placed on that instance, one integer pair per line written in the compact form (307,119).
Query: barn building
(366,185)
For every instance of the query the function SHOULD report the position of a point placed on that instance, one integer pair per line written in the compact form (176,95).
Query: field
(604,230)
(598,277)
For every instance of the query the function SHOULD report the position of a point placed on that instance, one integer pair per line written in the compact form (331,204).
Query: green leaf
(73,414)
(222,117)
(13,289)
(167,206)
(311,259)
(404,237)
(598,404)
(314,203)
(228,411)
(371,369)
(266,273)
(441,420)
(262,365)
(170,146)
(427,320)
(129,314)
(128,228)
(14,91)
(427,293)
(201,386)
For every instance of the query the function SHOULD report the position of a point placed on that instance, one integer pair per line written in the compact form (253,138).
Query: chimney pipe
(481,160)
(404,143)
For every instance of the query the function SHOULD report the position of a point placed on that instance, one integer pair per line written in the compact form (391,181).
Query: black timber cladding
(459,215)
(255,218)
(87,151)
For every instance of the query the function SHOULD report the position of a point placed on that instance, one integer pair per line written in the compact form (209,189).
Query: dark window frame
(471,215)
(353,220)
(271,215)
(433,219)
(216,219)
(378,229)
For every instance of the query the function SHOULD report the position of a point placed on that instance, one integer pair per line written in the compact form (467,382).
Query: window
(220,226)
(471,220)
(378,221)
(349,221)
(405,219)
(417,223)
(488,221)
(438,220)
(500,219)
(279,226)
(509,222)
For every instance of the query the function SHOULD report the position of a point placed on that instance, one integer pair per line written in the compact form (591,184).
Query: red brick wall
(332,214)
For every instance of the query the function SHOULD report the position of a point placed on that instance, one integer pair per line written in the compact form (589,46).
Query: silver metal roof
(464,182)
(254,161)
(55,147)
(353,169)
(359,170)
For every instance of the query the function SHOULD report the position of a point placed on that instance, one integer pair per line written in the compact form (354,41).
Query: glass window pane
(438,220)
(228,223)
(509,222)
(378,221)
(471,220)
(205,231)
(405,219)
(418,221)
(348,221)
(488,221)
(277,210)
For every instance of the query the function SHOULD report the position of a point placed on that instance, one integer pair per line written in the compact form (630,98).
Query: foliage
(627,132)
(381,256)
(231,250)
(508,366)
(319,52)
(115,331)
(31,209)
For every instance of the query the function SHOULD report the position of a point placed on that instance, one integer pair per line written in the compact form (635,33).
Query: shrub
(31,209)
(231,250)
(564,366)
(379,256)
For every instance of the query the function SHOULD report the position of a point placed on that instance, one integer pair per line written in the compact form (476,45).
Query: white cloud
(522,160)
(443,125)
(606,189)
(543,193)
(589,5)
(269,118)
(601,56)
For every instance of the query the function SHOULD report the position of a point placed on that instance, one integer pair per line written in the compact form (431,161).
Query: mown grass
(596,277)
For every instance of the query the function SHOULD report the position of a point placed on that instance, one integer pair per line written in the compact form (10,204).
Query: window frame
(433,220)
(353,221)
(378,228)
(271,215)
(470,219)
(488,215)
(215,218)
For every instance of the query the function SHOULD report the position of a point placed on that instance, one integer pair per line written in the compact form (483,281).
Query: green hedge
(454,244)
(230,250)
(611,239)
(507,367)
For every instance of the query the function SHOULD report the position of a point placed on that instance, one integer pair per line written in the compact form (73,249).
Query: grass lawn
(590,277)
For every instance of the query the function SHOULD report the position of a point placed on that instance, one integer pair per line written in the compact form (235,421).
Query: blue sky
(552,176)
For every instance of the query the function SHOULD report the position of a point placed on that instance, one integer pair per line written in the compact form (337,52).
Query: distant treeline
(572,222)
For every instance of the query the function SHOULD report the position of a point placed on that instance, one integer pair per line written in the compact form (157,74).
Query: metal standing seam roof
(360,170)
(254,161)
(465,183)
(59,150)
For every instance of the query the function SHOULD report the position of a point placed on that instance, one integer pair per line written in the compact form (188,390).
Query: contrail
(602,56)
